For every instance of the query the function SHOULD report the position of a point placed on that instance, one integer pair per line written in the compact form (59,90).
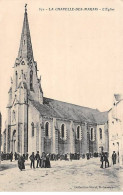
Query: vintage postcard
(61,96)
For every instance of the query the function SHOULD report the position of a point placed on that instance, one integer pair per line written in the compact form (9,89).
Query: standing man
(32,158)
(114,157)
(15,156)
(70,157)
(88,156)
(27,156)
(11,156)
(106,159)
(37,157)
(102,159)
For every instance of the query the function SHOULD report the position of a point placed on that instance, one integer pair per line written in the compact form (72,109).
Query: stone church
(36,123)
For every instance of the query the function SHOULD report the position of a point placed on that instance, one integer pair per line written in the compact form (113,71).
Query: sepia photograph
(61,96)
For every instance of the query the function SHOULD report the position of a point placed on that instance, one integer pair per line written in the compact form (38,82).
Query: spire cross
(25,7)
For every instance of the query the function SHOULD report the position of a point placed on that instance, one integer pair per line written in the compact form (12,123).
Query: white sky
(79,54)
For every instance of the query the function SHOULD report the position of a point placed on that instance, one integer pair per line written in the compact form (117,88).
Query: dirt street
(81,175)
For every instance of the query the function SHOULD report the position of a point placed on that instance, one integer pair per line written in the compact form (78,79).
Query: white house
(115,125)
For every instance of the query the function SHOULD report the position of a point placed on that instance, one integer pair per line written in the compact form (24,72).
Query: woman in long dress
(21,162)
(47,164)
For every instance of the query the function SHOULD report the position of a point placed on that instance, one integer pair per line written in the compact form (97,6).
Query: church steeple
(25,50)
(25,67)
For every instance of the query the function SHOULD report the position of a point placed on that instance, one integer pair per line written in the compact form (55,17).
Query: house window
(31,80)
(100,131)
(78,132)
(32,129)
(92,134)
(47,129)
(62,131)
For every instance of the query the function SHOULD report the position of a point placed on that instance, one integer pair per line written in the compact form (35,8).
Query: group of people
(104,159)
(53,157)
(6,156)
(10,156)
(70,156)
(42,161)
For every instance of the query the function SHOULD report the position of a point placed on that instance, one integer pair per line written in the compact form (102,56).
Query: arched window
(31,80)
(78,132)
(16,79)
(14,135)
(62,131)
(32,129)
(13,116)
(100,131)
(92,134)
(47,129)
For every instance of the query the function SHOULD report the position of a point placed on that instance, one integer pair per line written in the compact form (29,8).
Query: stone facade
(102,137)
(115,120)
(36,123)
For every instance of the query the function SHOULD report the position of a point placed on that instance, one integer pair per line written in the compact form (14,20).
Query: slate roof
(101,117)
(63,110)
(44,109)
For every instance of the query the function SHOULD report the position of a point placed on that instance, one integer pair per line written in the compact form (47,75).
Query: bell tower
(25,84)
(25,68)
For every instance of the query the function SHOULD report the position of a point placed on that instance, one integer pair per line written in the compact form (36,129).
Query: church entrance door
(47,145)
(14,141)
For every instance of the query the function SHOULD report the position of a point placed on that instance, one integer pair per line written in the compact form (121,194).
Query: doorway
(14,141)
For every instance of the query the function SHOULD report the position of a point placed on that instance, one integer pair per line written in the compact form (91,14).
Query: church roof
(101,117)
(71,111)
(67,111)
(44,109)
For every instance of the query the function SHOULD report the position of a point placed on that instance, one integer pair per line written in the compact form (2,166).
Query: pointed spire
(25,50)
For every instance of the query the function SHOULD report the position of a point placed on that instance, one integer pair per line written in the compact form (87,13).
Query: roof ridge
(73,104)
